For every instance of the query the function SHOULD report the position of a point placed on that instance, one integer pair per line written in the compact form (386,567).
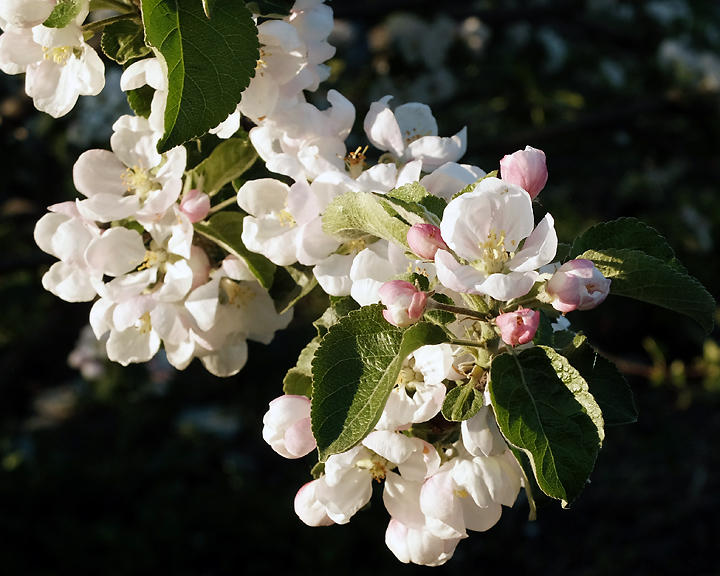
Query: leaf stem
(432,304)
(98,25)
(118,5)
(224,204)
(461,342)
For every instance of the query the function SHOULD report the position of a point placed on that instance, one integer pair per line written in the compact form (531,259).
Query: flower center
(59,55)
(494,255)
(355,161)
(139,182)
(285,218)
(236,294)
(413,134)
(143,324)
(376,465)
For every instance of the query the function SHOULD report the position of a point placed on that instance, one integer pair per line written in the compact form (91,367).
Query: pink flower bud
(405,304)
(424,240)
(195,205)
(525,168)
(577,285)
(518,327)
(307,506)
(286,426)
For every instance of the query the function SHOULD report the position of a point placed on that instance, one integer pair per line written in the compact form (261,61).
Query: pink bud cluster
(404,303)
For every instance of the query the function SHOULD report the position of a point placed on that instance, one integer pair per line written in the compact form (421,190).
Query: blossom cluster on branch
(444,366)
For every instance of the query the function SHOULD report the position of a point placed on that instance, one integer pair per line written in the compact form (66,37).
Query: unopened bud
(577,285)
(424,240)
(525,168)
(286,426)
(404,303)
(518,327)
(195,205)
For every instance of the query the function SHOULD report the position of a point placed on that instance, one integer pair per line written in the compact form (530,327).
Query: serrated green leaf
(412,192)
(624,234)
(124,41)
(532,490)
(441,317)
(607,385)
(355,215)
(640,276)
(292,283)
(298,379)
(340,306)
(544,333)
(225,230)
(434,205)
(210,62)
(228,161)
(544,408)
(354,370)
(462,403)
(140,100)
(65,11)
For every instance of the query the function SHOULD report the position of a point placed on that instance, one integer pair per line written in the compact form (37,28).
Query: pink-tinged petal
(99,172)
(577,285)
(539,248)
(308,508)
(525,168)
(518,327)
(382,128)
(345,498)
(480,519)
(286,426)
(505,287)
(405,304)
(434,151)
(418,545)
(456,276)
(425,240)
(441,507)
(195,205)
(108,207)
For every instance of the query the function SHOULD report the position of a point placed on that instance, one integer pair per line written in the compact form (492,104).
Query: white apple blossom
(485,229)
(411,133)
(58,64)
(132,181)
(24,13)
(150,72)
(286,426)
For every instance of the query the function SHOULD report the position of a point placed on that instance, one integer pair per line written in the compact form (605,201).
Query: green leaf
(544,408)
(140,100)
(462,403)
(225,230)
(340,306)
(625,234)
(124,41)
(65,11)
(470,187)
(270,8)
(607,385)
(292,283)
(354,370)
(228,161)
(298,380)
(210,62)
(544,334)
(355,215)
(412,192)
(637,275)
(441,316)
(409,202)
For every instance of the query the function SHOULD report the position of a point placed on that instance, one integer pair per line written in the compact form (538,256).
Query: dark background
(146,469)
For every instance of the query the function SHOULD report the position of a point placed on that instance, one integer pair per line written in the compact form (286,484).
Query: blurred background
(118,471)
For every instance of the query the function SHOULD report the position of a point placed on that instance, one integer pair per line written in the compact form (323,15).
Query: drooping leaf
(210,62)
(298,379)
(124,41)
(354,370)
(544,408)
(462,403)
(228,161)
(65,11)
(623,234)
(225,230)
(640,276)
(356,215)
(292,283)
(607,385)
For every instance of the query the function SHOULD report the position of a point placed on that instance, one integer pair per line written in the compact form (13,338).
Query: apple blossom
(195,205)
(525,168)
(485,229)
(425,240)
(405,304)
(518,327)
(577,285)
(286,426)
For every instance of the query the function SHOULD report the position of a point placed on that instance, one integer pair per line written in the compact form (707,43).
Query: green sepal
(462,403)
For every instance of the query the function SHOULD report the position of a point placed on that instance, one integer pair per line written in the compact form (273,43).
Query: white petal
(382,128)
(539,248)
(435,151)
(116,252)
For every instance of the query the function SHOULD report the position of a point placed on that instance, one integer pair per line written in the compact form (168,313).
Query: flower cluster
(446,288)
